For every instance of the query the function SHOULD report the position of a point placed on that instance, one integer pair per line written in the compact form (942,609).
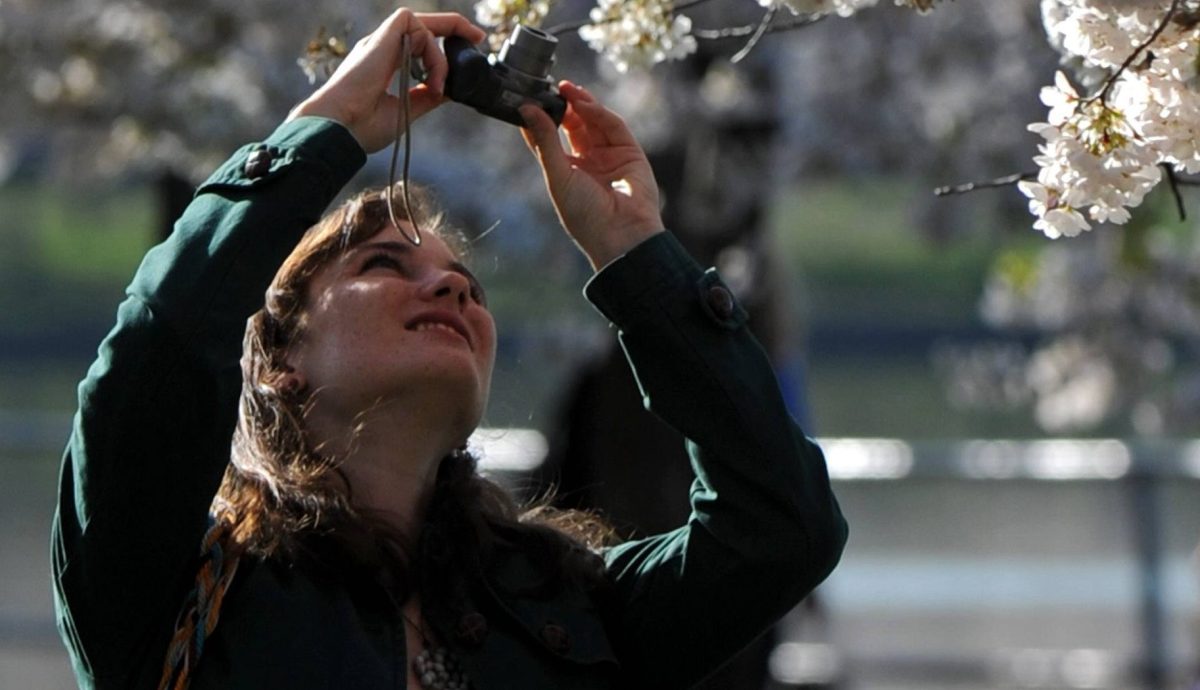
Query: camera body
(498,84)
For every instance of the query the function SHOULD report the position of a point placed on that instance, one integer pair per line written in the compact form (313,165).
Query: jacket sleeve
(765,528)
(158,407)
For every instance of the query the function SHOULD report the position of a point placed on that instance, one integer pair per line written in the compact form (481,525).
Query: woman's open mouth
(443,322)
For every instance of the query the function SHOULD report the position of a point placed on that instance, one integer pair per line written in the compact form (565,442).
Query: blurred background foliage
(107,100)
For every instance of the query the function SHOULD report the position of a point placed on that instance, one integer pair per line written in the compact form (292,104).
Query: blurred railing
(972,564)
(1087,544)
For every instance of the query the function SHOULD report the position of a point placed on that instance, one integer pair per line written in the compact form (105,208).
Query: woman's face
(390,321)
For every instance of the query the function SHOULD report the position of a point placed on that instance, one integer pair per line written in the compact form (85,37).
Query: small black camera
(496,85)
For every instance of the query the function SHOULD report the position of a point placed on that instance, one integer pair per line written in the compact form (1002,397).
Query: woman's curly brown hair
(281,496)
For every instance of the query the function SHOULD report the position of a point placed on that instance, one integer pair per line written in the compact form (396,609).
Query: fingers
(603,125)
(442,24)
(422,99)
(541,136)
(424,28)
(406,22)
(452,24)
(577,132)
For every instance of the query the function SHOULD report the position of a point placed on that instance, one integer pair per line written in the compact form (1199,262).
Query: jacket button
(472,628)
(258,164)
(556,638)
(720,300)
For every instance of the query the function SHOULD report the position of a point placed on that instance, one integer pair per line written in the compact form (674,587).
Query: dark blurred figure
(174,192)
(607,452)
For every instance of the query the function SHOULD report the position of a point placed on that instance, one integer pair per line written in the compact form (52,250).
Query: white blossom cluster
(1103,153)
(503,16)
(641,33)
(638,33)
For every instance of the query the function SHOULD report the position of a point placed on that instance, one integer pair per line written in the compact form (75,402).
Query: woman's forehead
(431,245)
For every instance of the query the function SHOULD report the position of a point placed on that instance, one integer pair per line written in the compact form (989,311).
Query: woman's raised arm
(765,526)
(158,407)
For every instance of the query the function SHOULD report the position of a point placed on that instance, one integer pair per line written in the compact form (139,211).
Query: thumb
(541,136)
(423,99)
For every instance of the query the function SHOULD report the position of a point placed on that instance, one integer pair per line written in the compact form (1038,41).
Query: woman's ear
(292,381)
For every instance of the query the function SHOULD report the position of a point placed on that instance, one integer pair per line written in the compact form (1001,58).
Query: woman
(350,543)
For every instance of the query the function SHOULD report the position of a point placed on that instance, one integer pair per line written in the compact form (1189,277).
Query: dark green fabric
(157,412)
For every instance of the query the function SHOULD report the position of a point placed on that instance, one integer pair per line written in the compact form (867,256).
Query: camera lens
(530,51)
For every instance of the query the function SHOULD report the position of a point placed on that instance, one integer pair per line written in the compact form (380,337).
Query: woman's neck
(390,456)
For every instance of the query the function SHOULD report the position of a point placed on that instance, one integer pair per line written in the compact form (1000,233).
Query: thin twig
(1174,184)
(987,184)
(1108,84)
(758,34)
(485,233)
(740,31)
(559,29)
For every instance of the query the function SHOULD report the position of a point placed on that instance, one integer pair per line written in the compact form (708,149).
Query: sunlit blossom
(1102,153)
(638,33)
(503,16)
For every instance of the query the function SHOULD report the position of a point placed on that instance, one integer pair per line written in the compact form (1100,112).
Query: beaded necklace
(436,667)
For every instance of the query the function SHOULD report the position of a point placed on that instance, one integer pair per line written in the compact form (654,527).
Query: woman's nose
(446,284)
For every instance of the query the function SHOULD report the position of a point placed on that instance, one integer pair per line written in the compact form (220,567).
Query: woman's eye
(382,260)
(478,294)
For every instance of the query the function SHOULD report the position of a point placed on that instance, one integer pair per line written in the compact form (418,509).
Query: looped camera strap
(402,130)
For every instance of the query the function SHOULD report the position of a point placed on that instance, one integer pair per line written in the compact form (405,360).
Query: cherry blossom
(1104,152)
(503,16)
(638,33)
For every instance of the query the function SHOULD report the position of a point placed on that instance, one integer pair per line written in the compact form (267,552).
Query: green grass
(860,258)
(68,253)
(78,235)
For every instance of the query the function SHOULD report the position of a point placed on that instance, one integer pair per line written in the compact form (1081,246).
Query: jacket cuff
(323,139)
(311,139)
(659,275)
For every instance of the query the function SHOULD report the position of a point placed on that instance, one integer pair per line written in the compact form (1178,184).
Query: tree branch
(767,17)
(1173,181)
(965,188)
(740,31)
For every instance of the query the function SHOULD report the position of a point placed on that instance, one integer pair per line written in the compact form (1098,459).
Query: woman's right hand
(603,188)
(356,95)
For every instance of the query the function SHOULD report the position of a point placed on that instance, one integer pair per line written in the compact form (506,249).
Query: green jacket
(158,408)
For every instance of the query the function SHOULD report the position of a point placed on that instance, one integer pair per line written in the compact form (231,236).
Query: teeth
(427,325)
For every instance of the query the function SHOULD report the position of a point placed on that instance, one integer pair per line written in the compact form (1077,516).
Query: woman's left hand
(356,95)
(603,188)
